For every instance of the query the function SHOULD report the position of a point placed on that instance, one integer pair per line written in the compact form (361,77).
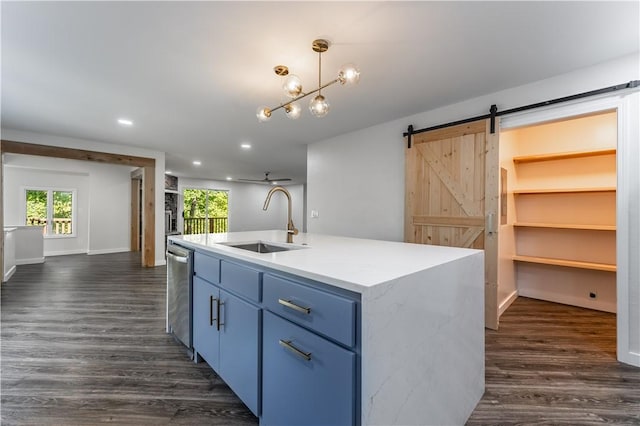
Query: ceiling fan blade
(277,180)
(253,180)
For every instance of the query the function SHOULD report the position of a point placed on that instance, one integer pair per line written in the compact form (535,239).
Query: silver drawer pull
(290,304)
(287,344)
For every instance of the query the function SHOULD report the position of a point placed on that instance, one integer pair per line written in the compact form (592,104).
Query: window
(205,211)
(53,209)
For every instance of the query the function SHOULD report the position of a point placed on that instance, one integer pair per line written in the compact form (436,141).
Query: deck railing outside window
(60,226)
(203,225)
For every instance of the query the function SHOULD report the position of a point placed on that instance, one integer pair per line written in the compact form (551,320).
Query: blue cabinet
(226,334)
(205,328)
(240,348)
(307,380)
(288,347)
(329,314)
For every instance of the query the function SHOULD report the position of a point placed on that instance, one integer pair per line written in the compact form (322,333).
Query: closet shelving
(562,218)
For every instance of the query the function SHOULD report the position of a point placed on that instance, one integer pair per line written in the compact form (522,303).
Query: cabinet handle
(211,318)
(290,304)
(218,323)
(287,344)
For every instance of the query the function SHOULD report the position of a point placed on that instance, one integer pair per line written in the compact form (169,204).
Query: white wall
(339,165)
(349,176)
(355,182)
(102,200)
(246,201)
(42,139)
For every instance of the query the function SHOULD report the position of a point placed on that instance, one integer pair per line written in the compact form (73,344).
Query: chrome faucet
(291,230)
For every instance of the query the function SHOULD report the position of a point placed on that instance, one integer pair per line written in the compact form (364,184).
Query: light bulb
(319,106)
(293,111)
(349,74)
(263,113)
(292,86)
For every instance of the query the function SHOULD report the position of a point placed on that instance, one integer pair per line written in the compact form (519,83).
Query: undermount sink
(262,247)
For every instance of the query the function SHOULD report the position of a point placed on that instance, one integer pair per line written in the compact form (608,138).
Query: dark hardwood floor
(552,364)
(83,343)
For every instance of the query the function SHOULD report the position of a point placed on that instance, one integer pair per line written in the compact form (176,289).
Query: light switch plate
(314,214)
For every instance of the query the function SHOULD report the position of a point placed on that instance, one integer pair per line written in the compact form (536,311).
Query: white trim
(628,234)
(30,261)
(626,103)
(565,110)
(64,252)
(49,227)
(160,262)
(9,274)
(507,302)
(107,251)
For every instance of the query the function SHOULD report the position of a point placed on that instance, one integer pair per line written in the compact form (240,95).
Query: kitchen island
(396,330)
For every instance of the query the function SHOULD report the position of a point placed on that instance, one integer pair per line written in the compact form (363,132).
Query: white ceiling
(191,74)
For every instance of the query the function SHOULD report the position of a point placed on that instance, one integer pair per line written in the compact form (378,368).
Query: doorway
(558,239)
(205,211)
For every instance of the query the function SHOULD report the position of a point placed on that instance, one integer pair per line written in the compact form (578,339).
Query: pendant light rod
(304,95)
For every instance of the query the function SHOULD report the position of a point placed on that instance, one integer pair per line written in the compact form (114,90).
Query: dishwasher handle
(179,259)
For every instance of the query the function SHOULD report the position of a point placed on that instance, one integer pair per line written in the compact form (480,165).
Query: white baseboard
(606,306)
(504,305)
(631,358)
(9,273)
(64,252)
(107,251)
(30,261)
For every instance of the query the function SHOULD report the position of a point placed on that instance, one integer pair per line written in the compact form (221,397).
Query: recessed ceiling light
(167,172)
(197,163)
(229,178)
(274,183)
(245,146)
(125,122)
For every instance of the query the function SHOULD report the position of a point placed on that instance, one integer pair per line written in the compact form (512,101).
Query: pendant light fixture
(292,87)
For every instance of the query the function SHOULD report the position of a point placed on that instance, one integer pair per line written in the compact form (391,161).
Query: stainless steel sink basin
(262,247)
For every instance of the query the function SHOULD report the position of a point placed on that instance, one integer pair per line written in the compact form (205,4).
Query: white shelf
(563,190)
(566,226)
(562,155)
(568,263)
(171,191)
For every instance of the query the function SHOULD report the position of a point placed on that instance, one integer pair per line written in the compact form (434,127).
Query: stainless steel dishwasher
(179,288)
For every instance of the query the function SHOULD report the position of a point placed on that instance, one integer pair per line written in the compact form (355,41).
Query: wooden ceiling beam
(13,147)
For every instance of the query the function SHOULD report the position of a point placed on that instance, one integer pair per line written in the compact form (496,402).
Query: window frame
(49,227)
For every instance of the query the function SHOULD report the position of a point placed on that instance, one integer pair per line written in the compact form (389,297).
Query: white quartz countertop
(351,263)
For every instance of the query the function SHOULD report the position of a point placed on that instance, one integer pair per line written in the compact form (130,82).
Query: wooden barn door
(452,195)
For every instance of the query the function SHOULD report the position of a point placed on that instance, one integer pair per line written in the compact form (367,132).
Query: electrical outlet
(593,295)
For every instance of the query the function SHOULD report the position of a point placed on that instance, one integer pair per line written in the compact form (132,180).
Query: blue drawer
(306,380)
(206,267)
(241,280)
(329,314)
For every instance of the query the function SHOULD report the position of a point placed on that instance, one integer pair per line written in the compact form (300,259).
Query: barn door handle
(491,223)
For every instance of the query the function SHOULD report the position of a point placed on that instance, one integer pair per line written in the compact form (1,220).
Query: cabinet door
(205,333)
(306,379)
(240,348)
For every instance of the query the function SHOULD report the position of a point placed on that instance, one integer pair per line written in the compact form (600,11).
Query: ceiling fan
(266,179)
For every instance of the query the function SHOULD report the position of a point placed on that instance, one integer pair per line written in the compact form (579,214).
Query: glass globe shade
(263,113)
(319,106)
(292,86)
(349,74)
(293,111)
